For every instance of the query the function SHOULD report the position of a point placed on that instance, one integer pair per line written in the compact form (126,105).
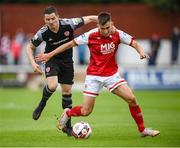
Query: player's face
(51,20)
(106,29)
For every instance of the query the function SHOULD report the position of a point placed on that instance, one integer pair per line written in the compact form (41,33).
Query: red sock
(75,111)
(138,117)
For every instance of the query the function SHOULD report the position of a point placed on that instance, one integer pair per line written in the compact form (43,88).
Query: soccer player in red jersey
(102,71)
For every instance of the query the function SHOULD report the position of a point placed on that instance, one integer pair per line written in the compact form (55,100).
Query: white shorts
(94,84)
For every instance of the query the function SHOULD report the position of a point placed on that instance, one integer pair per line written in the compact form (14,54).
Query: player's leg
(126,93)
(48,90)
(91,90)
(65,78)
(67,103)
(117,85)
(81,110)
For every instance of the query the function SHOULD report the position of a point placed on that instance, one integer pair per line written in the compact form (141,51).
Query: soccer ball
(81,130)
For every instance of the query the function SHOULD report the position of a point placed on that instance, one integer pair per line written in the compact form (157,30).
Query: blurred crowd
(13,49)
(155,44)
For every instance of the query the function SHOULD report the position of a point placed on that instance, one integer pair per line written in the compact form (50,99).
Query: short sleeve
(82,39)
(37,39)
(74,22)
(125,38)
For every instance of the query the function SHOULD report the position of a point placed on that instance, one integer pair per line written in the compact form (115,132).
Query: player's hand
(144,56)
(36,68)
(43,57)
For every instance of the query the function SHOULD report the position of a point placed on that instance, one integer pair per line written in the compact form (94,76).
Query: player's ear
(44,19)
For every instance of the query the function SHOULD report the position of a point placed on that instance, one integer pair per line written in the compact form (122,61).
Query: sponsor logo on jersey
(76,21)
(66,33)
(50,39)
(125,34)
(64,40)
(83,35)
(107,48)
(48,69)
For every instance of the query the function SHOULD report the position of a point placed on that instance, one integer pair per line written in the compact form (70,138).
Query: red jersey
(103,50)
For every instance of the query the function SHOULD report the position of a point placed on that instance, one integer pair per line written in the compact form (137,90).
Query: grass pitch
(111,121)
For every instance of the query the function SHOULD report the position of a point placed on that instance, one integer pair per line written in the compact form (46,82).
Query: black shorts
(64,70)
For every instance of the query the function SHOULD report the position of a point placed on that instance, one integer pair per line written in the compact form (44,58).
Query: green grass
(111,122)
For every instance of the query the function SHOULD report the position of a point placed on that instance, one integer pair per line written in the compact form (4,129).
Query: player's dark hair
(50,9)
(104,17)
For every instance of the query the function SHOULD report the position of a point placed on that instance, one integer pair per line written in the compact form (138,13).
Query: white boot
(149,132)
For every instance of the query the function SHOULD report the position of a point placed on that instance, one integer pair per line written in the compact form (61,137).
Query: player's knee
(86,111)
(52,86)
(131,100)
(66,90)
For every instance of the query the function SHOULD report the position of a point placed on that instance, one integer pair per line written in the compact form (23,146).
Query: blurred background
(154,24)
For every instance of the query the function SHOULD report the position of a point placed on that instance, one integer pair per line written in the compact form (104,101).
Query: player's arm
(139,49)
(30,49)
(62,48)
(47,56)
(90,18)
(129,40)
(79,22)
